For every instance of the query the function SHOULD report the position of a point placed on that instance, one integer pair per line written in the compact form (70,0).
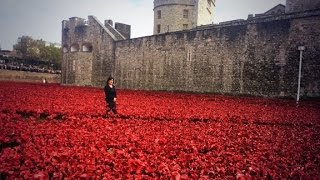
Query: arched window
(65,49)
(74,48)
(87,47)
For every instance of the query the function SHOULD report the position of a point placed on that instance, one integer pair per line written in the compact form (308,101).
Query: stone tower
(88,50)
(301,5)
(176,15)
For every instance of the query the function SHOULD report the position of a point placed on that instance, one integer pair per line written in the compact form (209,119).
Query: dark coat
(110,93)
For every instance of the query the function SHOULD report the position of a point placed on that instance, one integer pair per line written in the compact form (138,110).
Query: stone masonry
(88,50)
(177,15)
(301,5)
(258,56)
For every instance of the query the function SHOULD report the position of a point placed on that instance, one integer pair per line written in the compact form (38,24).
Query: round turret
(173,15)
(176,15)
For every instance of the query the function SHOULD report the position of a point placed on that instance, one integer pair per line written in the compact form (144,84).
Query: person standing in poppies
(110,95)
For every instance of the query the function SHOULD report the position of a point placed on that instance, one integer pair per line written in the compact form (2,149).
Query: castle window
(185,13)
(159,14)
(74,48)
(65,49)
(74,65)
(185,26)
(158,28)
(189,55)
(87,48)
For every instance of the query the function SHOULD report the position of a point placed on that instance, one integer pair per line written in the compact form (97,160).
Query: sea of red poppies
(49,131)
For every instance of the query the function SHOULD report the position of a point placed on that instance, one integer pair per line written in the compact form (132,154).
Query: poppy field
(49,131)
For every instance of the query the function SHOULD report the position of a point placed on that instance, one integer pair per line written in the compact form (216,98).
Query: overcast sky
(41,19)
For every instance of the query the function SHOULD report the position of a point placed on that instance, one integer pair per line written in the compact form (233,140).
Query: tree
(33,52)
(51,55)
(30,49)
(22,45)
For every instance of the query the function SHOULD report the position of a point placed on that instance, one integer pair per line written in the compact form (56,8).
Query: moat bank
(23,76)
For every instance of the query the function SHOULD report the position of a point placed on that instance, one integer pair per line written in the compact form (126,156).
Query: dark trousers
(111,106)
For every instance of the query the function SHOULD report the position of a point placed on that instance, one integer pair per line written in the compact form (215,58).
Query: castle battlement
(78,34)
(73,22)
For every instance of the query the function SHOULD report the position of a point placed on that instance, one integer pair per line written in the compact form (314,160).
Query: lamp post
(301,49)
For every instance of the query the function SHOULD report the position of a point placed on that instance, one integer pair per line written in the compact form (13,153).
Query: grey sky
(41,19)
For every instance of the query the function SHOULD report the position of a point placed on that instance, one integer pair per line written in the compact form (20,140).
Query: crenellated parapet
(77,32)
(74,33)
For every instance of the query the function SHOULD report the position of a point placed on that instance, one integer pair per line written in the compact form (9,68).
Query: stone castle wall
(88,57)
(258,56)
(255,57)
(301,5)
